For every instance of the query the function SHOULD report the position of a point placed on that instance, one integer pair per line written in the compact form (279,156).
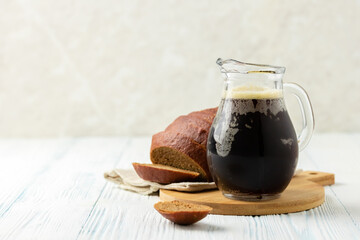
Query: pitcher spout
(234,66)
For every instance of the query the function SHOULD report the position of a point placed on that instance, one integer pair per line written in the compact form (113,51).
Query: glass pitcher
(252,147)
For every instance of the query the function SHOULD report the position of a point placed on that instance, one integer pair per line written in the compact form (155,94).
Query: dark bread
(163,174)
(176,150)
(195,128)
(183,143)
(182,212)
(207,114)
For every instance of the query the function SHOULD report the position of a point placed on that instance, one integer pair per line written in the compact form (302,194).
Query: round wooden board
(304,192)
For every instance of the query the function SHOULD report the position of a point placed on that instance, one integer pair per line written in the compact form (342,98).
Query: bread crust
(207,114)
(192,128)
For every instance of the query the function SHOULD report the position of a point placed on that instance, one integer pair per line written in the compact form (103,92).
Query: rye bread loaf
(163,174)
(183,143)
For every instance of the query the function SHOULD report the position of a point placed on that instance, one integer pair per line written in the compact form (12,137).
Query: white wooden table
(54,189)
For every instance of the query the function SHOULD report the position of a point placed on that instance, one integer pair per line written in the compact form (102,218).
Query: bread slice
(176,150)
(182,212)
(163,174)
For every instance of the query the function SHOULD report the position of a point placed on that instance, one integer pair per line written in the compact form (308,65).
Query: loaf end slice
(182,212)
(163,174)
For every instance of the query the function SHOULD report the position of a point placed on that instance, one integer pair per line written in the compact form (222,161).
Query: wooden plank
(23,161)
(126,215)
(341,153)
(54,189)
(60,196)
(113,216)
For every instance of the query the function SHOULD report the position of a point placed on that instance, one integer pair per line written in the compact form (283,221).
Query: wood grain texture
(54,189)
(304,192)
(60,187)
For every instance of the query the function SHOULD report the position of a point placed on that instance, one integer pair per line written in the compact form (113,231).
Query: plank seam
(102,190)
(36,175)
(337,198)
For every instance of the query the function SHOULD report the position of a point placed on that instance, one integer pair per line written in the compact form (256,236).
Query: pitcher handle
(308,122)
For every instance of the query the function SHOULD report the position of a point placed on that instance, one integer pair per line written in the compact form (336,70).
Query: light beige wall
(78,68)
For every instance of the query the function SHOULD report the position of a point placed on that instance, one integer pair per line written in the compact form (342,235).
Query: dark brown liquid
(252,146)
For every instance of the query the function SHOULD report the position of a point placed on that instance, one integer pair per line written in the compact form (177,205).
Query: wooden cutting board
(304,192)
